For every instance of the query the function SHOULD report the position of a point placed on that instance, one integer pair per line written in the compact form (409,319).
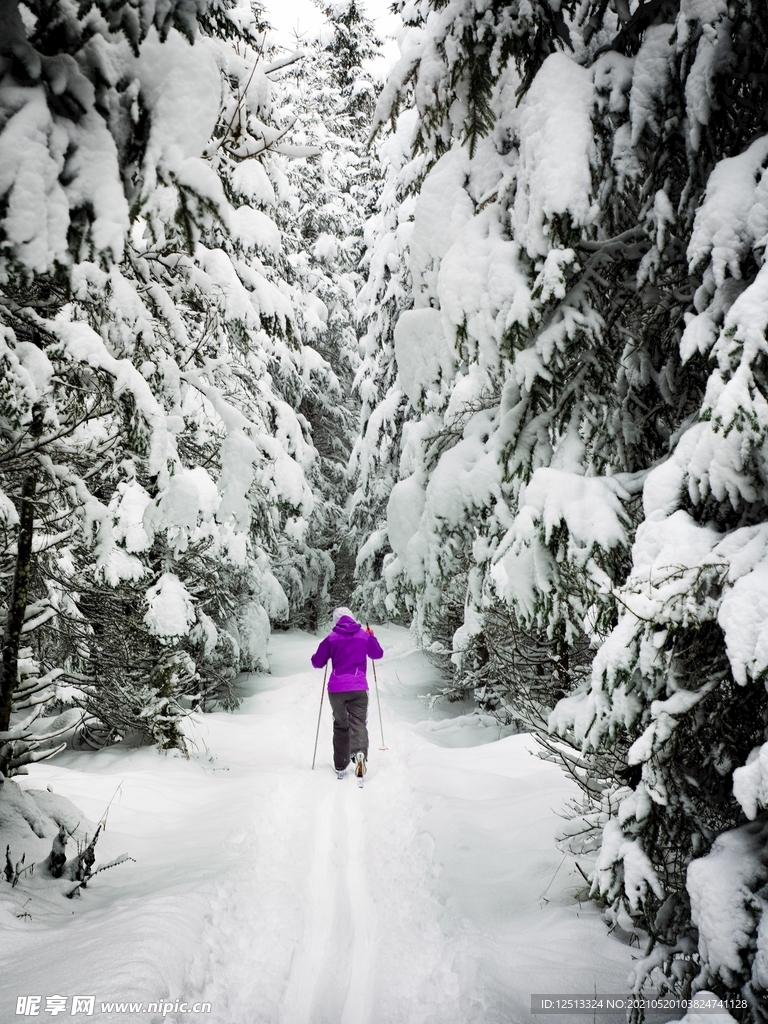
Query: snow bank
(259,883)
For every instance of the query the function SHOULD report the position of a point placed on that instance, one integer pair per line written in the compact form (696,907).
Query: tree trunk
(17,605)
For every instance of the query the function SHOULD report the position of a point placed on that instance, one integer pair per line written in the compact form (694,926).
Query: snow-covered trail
(283,896)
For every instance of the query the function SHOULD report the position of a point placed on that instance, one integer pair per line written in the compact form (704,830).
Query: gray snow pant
(350,710)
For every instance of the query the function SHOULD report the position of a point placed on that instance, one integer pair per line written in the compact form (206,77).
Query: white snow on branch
(556,149)
(171,611)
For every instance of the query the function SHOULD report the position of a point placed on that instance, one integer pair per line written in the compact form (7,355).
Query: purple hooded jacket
(347,645)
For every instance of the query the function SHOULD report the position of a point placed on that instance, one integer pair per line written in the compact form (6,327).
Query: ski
(360,768)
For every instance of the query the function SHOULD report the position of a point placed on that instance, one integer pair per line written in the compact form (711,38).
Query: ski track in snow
(323,911)
(341,918)
(285,896)
(364,919)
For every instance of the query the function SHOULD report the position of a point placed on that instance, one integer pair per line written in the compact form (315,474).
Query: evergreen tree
(385,294)
(581,452)
(74,150)
(332,97)
(157,344)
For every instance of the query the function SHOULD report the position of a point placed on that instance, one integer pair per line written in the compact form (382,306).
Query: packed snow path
(284,896)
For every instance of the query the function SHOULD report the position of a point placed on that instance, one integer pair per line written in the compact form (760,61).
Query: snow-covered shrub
(35,821)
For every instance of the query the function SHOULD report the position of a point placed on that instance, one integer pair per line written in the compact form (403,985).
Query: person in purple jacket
(348,646)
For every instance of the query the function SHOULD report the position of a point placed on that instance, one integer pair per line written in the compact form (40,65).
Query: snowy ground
(281,895)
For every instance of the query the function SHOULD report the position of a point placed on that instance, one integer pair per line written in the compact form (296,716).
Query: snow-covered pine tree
(385,294)
(212,321)
(332,97)
(584,437)
(154,359)
(70,134)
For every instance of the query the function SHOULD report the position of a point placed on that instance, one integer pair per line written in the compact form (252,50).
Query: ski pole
(378,700)
(322,694)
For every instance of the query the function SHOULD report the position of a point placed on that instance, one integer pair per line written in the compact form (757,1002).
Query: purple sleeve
(373,648)
(321,655)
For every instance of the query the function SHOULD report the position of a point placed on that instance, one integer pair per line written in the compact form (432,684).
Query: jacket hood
(346,625)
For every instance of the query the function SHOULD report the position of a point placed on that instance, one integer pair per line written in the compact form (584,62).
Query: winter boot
(359,762)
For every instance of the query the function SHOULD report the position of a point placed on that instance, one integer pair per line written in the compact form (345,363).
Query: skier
(348,646)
